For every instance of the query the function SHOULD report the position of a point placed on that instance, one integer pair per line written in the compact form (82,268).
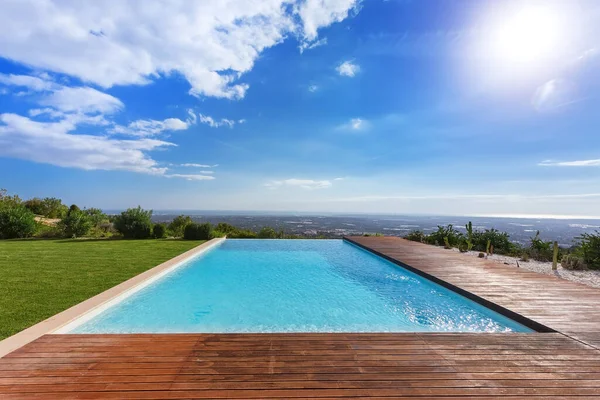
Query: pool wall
(529,323)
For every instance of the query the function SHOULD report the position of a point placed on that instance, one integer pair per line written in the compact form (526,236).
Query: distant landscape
(521,230)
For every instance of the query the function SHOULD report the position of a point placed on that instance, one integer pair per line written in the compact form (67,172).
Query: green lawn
(39,278)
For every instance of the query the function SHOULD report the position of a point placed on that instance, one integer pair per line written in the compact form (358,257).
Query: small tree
(16,221)
(159,231)
(134,223)
(590,249)
(7,200)
(76,223)
(177,226)
(96,216)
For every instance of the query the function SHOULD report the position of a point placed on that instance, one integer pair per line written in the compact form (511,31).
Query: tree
(134,223)
(267,233)
(96,216)
(49,207)
(76,224)
(177,226)
(16,221)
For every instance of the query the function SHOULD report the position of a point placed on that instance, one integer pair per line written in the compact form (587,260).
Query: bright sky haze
(439,107)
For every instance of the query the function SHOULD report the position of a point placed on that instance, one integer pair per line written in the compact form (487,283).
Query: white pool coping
(65,321)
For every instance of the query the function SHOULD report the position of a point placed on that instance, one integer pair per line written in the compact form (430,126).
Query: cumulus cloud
(60,141)
(308,184)
(316,14)
(348,68)
(576,163)
(52,143)
(210,43)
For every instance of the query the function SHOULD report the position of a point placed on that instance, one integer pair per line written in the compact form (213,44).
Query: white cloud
(198,165)
(348,68)
(30,82)
(309,184)
(210,121)
(150,127)
(354,125)
(313,88)
(306,45)
(52,143)
(82,99)
(191,177)
(211,43)
(316,14)
(577,163)
(64,98)
(207,172)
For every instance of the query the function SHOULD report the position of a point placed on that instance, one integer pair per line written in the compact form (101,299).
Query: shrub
(8,201)
(73,207)
(242,234)
(438,237)
(416,236)
(196,231)
(571,261)
(96,216)
(159,231)
(217,234)
(134,223)
(16,221)
(539,249)
(49,207)
(268,233)
(500,241)
(76,224)
(177,226)
(589,249)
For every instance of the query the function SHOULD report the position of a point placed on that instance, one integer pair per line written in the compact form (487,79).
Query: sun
(528,35)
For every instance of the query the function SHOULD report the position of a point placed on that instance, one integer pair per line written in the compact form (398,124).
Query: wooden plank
(545,365)
(554,303)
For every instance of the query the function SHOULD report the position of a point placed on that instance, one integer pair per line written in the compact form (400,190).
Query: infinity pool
(294,286)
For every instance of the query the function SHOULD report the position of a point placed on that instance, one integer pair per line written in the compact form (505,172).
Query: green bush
(134,223)
(242,234)
(217,234)
(49,207)
(96,216)
(196,231)
(177,226)
(539,249)
(9,201)
(571,261)
(589,249)
(416,236)
(500,241)
(268,233)
(443,234)
(159,231)
(76,224)
(16,221)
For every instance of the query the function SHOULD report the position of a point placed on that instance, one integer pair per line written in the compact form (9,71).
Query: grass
(39,278)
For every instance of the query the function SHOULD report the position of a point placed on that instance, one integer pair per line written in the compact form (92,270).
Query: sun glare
(528,35)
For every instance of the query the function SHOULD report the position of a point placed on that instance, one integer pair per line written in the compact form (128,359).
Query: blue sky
(428,107)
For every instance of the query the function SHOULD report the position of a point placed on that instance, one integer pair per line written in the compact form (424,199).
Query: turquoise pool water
(294,286)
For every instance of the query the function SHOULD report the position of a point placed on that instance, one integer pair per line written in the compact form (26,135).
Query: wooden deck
(449,366)
(562,364)
(555,303)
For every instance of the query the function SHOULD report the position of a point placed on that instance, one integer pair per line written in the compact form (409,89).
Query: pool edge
(527,322)
(57,322)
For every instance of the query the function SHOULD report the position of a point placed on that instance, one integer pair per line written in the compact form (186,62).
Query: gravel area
(588,277)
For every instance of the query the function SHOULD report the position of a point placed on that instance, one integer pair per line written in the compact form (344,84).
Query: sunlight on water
(294,286)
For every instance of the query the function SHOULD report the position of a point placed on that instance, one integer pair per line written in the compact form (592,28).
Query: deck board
(555,303)
(422,365)
(561,364)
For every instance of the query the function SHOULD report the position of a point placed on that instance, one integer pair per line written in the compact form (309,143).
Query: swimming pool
(293,286)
